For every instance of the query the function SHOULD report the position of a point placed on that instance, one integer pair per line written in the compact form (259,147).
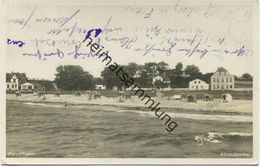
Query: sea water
(52,130)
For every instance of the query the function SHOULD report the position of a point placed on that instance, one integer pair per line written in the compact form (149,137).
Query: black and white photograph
(167,80)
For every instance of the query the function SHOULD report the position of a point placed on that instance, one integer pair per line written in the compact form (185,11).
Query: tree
(247,76)
(146,73)
(206,77)
(193,71)
(178,69)
(131,69)
(99,81)
(110,78)
(71,77)
(162,67)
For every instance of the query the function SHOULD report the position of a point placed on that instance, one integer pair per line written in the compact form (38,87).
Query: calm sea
(44,130)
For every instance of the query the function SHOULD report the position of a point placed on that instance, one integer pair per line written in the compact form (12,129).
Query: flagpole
(153,77)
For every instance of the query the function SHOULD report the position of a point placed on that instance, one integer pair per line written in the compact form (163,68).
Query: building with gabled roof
(161,81)
(198,84)
(14,80)
(222,80)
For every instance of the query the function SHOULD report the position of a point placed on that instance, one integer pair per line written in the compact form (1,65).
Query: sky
(169,31)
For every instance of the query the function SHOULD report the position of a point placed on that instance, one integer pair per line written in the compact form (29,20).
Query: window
(195,82)
(217,80)
(231,79)
(231,86)
(12,85)
(226,79)
(214,80)
(8,86)
(222,80)
(199,82)
(217,86)
(214,86)
(227,86)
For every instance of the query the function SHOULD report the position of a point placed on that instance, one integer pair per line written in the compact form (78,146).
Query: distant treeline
(71,77)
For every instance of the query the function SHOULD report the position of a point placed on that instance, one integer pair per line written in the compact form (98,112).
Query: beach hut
(42,97)
(159,94)
(121,99)
(208,97)
(17,93)
(227,97)
(176,97)
(125,95)
(78,94)
(191,98)
(153,93)
(40,94)
(57,94)
(97,95)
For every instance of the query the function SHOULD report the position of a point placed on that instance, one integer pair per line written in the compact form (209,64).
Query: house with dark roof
(14,80)
(162,81)
(222,80)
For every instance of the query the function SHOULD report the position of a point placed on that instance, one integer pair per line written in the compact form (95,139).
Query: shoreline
(234,107)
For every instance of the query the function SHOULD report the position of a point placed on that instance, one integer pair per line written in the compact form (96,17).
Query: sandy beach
(236,106)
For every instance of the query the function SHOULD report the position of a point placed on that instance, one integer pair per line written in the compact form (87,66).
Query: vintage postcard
(137,82)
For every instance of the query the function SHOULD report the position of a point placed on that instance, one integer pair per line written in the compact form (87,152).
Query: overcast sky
(212,24)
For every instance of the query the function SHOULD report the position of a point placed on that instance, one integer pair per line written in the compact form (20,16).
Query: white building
(162,81)
(222,80)
(13,84)
(198,84)
(14,80)
(100,87)
(28,86)
(227,97)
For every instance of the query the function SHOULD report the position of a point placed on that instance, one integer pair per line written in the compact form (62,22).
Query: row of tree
(70,77)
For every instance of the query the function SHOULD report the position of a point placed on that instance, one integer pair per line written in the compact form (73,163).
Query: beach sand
(237,106)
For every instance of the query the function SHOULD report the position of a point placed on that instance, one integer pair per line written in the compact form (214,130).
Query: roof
(27,83)
(21,76)
(37,81)
(137,74)
(199,80)
(163,76)
(47,84)
(221,69)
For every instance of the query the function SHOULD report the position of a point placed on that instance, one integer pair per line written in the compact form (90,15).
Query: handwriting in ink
(76,53)
(43,56)
(15,42)
(97,32)
(139,11)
